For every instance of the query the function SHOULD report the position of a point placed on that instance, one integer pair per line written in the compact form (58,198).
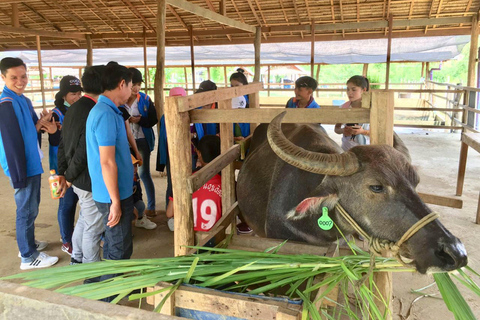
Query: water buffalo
(287,179)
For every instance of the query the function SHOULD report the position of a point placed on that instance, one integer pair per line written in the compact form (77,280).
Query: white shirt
(136,128)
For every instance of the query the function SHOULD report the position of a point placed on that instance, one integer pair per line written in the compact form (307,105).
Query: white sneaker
(39,245)
(170,224)
(43,261)
(145,223)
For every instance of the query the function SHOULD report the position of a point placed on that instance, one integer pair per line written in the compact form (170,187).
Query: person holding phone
(354,134)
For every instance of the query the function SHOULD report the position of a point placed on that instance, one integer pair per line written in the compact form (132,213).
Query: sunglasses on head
(302,85)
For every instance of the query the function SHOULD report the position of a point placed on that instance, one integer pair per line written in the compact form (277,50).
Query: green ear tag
(324,222)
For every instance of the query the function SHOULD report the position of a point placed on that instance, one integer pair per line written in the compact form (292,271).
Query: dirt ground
(435,154)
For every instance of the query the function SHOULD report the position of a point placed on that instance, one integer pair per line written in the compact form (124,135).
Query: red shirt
(207,204)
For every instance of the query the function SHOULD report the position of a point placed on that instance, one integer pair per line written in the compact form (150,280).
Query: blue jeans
(66,214)
(118,239)
(27,200)
(144,172)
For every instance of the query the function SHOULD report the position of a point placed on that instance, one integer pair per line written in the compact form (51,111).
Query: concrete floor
(434,153)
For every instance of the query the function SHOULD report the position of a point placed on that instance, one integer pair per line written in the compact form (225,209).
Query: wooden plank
(441,200)
(333,295)
(312,50)
(384,283)
(322,115)
(199,178)
(145,61)
(226,304)
(192,102)
(247,242)
(53,34)
(15,19)
(178,128)
(210,15)
(228,173)
(381,118)
(472,140)
(192,56)
(254,101)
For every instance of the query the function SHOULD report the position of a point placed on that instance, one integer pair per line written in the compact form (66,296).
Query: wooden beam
(389,50)
(202,176)
(265,115)
(89,50)
(472,58)
(160,66)
(381,117)
(15,18)
(52,34)
(223,8)
(365,70)
(228,173)
(138,14)
(257,46)
(40,71)
(200,99)
(450,202)
(208,14)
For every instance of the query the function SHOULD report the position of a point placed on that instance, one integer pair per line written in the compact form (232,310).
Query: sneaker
(39,245)
(74,262)
(243,228)
(170,224)
(67,248)
(145,223)
(43,261)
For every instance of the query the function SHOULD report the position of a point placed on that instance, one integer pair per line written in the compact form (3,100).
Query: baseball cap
(70,84)
(206,85)
(177,91)
(136,75)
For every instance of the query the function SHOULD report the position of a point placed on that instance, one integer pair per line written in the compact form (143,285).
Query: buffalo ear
(401,147)
(312,206)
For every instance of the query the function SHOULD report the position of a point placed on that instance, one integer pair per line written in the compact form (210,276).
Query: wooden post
(225,76)
(462,163)
(208,73)
(389,50)
(365,70)
(317,77)
(268,81)
(15,18)
(472,58)
(228,174)
(186,79)
(192,55)
(145,60)
(381,117)
(257,46)
(40,70)
(88,38)
(381,132)
(223,8)
(160,67)
(178,128)
(312,49)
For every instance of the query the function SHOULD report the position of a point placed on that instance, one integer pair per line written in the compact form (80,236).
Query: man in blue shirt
(304,87)
(109,162)
(21,158)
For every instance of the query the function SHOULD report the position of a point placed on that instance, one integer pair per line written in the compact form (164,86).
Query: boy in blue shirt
(21,158)
(304,87)
(109,162)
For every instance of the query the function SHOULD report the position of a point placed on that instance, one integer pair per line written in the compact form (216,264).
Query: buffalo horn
(343,164)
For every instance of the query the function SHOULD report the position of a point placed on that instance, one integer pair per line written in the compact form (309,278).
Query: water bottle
(54,183)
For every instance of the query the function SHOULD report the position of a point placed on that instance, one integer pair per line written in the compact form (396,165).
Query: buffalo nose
(452,254)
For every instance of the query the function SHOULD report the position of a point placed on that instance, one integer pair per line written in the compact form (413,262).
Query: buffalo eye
(377,188)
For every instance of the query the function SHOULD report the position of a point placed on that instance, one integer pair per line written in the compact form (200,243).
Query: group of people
(101,127)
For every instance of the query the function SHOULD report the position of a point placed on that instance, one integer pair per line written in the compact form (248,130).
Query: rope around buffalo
(377,245)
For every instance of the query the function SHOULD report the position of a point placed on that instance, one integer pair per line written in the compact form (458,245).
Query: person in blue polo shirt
(110,164)
(304,87)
